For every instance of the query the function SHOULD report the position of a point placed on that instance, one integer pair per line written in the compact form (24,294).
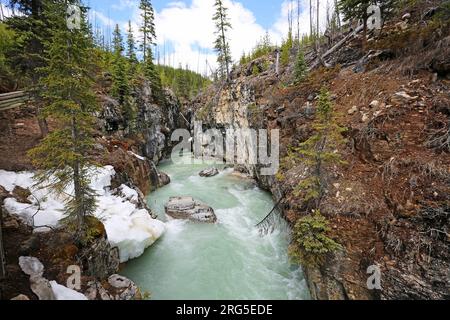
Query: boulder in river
(211,172)
(188,208)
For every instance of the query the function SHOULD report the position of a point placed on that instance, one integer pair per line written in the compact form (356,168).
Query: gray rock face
(211,172)
(163,179)
(111,114)
(156,122)
(39,285)
(101,259)
(188,208)
(42,288)
(129,290)
(31,266)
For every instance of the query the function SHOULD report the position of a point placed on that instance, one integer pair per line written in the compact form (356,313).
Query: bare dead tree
(337,13)
(290,17)
(298,21)
(311,18)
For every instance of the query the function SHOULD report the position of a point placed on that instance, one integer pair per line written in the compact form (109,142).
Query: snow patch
(64,293)
(129,228)
(136,155)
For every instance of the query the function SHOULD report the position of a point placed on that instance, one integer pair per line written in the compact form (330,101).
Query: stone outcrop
(210,172)
(116,288)
(188,208)
(404,233)
(99,258)
(39,285)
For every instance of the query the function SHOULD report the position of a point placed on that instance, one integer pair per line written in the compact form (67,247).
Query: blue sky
(185,31)
(265,11)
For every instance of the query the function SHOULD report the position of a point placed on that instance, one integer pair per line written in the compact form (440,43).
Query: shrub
(310,243)
(301,68)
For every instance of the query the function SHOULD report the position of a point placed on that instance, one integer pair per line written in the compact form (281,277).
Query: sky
(185,30)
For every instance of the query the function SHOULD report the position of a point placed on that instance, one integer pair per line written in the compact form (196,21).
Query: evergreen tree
(221,44)
(147,28)
(152,75)
(357,9)
(301,68)
(27,56)
(319,151)
(7,37)
(120,89)
(63,154)
(131,46)
(310,241)
(286,49)
(148,40)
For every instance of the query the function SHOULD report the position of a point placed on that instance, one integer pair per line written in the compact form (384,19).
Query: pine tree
(63,154)
(301,68)
(221,44)
(120,89)
(32,30)
(357,9)
(148,40)
(131,44)
(319,151)
(152,75)
(286,49)
(147,28)
(310,241)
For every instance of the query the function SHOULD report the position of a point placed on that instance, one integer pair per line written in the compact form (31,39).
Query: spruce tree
(27,56)
(63,155)
(221,44)
(147,28)
(120,88)
(148,40)
(301,68)
(131,44)
(357,9)
(319,152)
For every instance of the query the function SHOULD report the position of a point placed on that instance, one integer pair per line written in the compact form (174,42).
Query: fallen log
(337,46)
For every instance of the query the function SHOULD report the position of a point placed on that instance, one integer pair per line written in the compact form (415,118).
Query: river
(229,260)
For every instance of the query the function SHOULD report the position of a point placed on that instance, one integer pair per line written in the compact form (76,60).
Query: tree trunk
(79,199)
(298,21)
(338,14)
(43,126)
(2,249)
(310,19)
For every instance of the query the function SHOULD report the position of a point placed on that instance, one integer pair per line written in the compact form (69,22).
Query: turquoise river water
(229,260)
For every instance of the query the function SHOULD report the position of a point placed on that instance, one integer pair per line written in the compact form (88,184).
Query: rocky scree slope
(389,206)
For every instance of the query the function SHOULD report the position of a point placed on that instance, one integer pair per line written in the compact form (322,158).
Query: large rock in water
(188,208)
(211,172)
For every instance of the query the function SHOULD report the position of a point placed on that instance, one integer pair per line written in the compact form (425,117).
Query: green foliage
(221,45)
(120,89)
(310,240)
(263,48)
(319,151)
(7,37)
(255,70)
(68,84)
(183,82)
(286,47)
(151,73)
(301,68)
(147,28)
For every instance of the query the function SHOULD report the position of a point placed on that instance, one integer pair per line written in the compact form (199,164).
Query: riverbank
(226,260)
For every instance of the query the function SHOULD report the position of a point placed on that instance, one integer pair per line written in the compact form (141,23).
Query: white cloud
(188,29)
(281,26)
(5,12)
(98,16)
